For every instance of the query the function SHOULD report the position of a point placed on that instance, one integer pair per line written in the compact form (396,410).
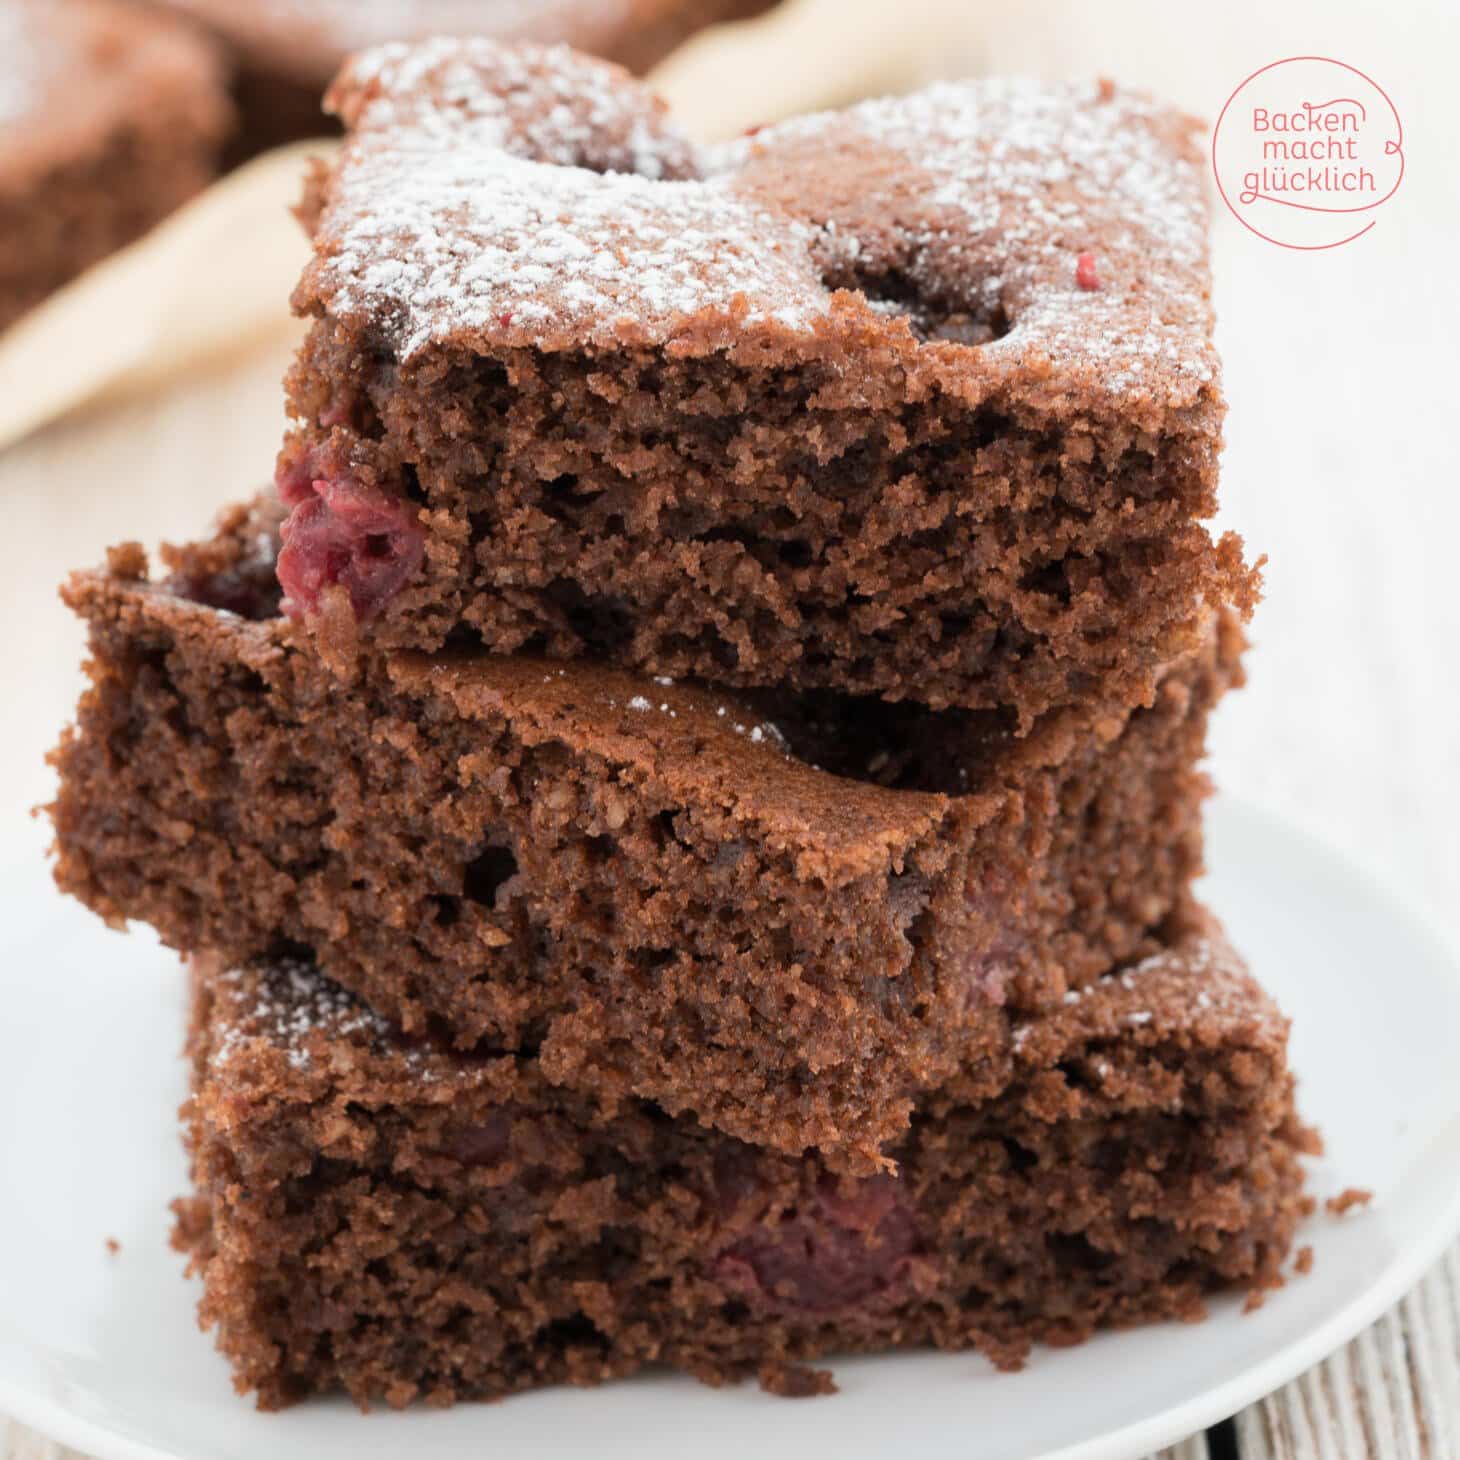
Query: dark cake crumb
(796,1381)
(1347,1200)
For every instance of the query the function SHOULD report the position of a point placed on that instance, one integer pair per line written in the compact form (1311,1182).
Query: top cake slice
(917,399)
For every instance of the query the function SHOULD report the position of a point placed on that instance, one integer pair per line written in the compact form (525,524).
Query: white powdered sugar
(1199,975)
(441,223)
(1035,174)
(513,196)
(515,244)
(288,1003)
(764,733)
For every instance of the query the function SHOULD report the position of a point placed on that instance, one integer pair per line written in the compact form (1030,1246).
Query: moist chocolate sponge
(785,914)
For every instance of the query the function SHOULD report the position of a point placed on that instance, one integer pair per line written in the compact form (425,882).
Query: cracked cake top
(984,235)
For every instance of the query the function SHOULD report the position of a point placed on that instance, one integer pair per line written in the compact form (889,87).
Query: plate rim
(53,1419)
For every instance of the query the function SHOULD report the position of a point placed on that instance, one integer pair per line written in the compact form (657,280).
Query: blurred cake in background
(110,117)
(286,51)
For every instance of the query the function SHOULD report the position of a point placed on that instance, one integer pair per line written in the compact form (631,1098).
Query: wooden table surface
(1341,373)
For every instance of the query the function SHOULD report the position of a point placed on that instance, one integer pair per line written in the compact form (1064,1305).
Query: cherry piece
(847,1244)
(342,531)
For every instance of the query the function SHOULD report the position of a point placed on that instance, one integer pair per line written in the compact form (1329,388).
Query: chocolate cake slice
(785,915)
(285,52)
(917,400)
(110,118)
(387,1216)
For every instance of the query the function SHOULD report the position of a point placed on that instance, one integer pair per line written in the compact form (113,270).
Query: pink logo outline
(1392,147)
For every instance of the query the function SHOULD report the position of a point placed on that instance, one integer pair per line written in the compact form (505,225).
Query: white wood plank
(19,1443)
(1392,1394)
(1193,1449)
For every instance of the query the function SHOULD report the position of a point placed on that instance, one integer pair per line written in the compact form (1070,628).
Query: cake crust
(1135,1150)
(785,914)
(830,407)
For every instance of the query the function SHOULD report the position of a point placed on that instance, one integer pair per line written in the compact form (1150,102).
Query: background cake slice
(916,400)
(784,915)
(389,1217)
(285,52)
(110,118)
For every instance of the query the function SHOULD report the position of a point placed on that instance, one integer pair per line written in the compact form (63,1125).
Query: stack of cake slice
(682,807)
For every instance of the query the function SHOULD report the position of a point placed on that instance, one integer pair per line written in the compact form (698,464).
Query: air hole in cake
(247,684)
(664,828)
(484,878)
(244,583)
(726,654)
(907,897)
(902,746)
(603,625)
(562,487)
(1076,1076)
(1074,1251)
(249,590)
(576,1332)
(1052,580)
(342,531)
(930,317)
(410,484)
(848,1243)
(1020,1158)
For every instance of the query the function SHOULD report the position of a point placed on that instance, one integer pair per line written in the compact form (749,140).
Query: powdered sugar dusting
(1198,980)
(763,733)
(289,1004)
(531,197)
(1024,177)
(508,191)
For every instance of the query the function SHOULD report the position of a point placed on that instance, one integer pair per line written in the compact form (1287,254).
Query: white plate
(101,1351)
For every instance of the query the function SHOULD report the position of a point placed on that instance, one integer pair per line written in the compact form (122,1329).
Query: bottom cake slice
(405,1221)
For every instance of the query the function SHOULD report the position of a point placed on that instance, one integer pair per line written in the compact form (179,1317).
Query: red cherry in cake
(482,1145)
(1085,275)
(343,531)
(848,1244)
